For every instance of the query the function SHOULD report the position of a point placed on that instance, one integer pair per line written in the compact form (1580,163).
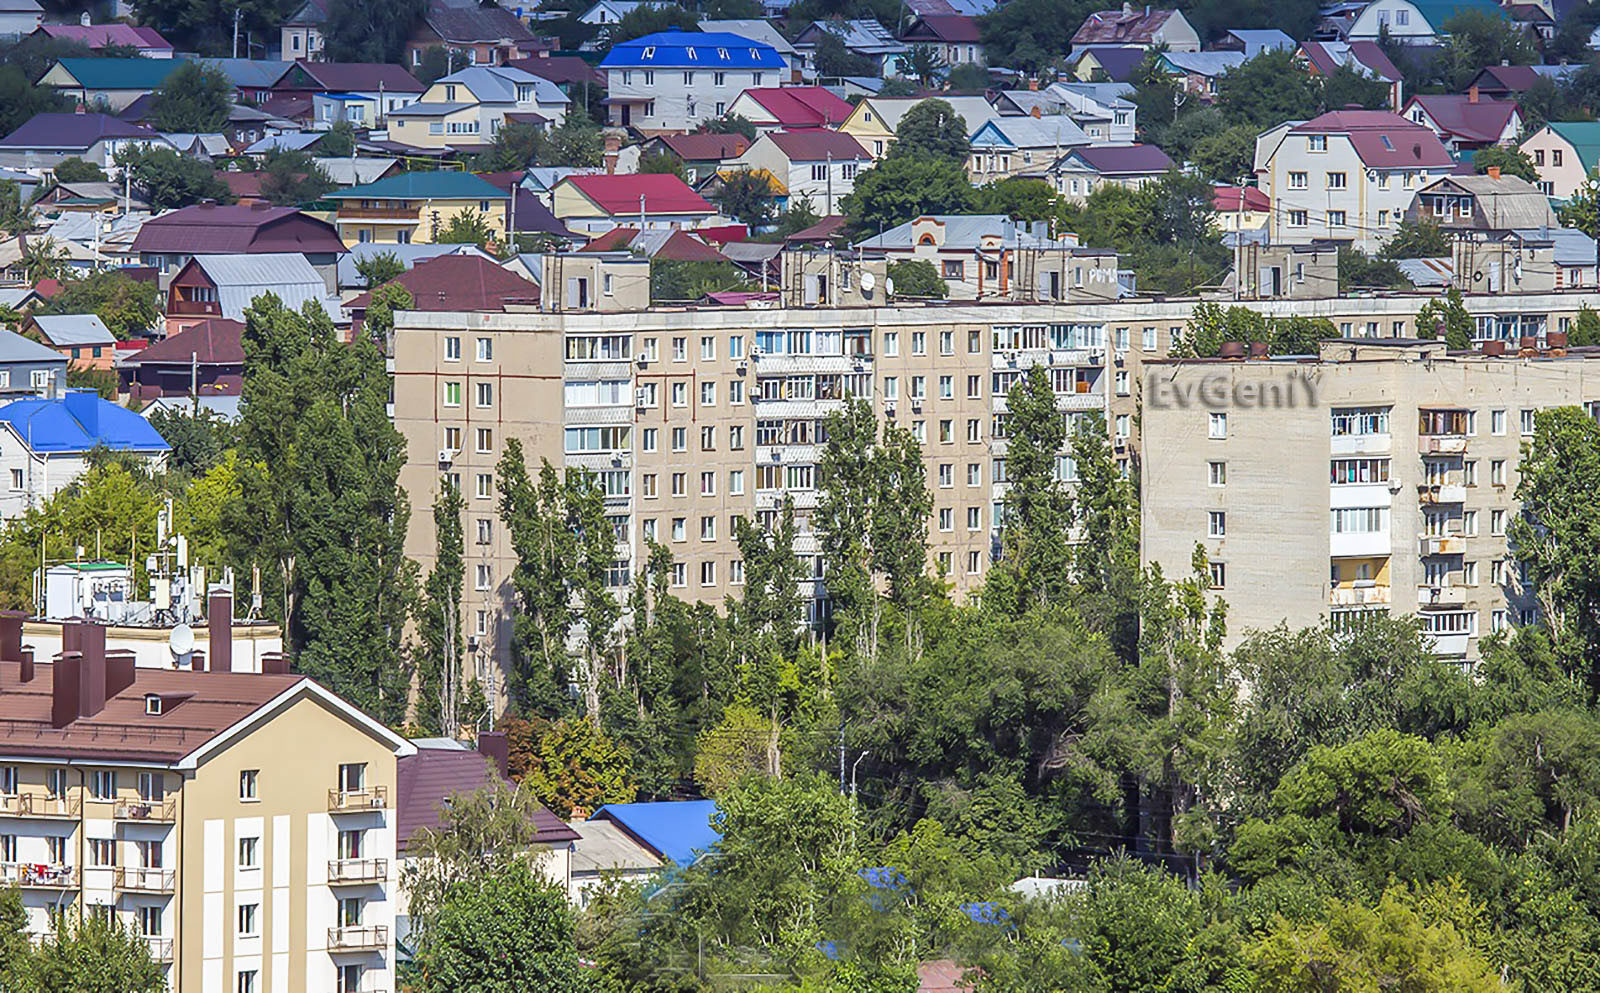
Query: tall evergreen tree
(1105,559)
(1036,554)
(439,679)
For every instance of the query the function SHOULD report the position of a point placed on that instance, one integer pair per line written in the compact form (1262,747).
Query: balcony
(1358,544)
(360,938)
(160,948)
(40,805)
(1359,444)
(345,872)
(1442,545)
(1442,444)
(349,212)
(1437,493)
(193,308)
(146,810)
(145,879)
(1359,596)
(1441,596)
(358,801)
(34,876)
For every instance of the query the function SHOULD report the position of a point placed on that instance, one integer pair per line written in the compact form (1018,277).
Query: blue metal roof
(710,50)
(78,422)
(674,829)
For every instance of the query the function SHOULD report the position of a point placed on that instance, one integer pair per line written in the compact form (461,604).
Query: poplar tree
(1035,566)
(439,695)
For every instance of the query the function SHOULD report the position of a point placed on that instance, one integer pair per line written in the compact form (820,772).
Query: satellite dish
(868,281)
(181,641)
(888,285)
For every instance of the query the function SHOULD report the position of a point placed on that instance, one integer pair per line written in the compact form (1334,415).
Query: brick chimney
(219,625)
(11,634)
(1472,93)
(79,686)
(493,745)
(1493,172)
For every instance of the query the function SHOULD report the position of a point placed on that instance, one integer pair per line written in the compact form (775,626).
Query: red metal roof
(663,194)
(818,146)
(561,69)
(1469,120)
(459,282)
(1226,198)
(235,230)
(216,341)
(101,35)
(801,106)
(1367,53)
(706,147)
(1381,138)
(428,778)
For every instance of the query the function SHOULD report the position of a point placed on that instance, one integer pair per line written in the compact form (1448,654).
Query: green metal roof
(1436,12)
(121,74)
(1584,137)
(425,186)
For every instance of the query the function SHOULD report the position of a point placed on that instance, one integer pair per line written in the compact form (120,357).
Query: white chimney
(84,20)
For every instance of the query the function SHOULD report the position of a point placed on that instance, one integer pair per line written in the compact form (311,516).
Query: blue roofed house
(1199,72)
(1413,22)
(675,831)
(673,80)
(45,444)
(1255,41)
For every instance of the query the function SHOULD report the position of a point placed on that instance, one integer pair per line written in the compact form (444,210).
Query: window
(736,391)
(1218,425)
(102,852)
(1555,157)
(680,439)
(647,484)
(1336,218)
(1217,473)
(708,574)
(483,486)
(1122,380)
(947,387)
(1497,422)
(1358,520)
(708,484)
(708,528)
(1317,143)
(1527,422)
(946,519)
(974,519)
(679,529)
(248,853)
(679,483)
(485,531)
(919,343)
(891,343)
(152,786)
(974,387)
(974,474)
(452,349)
(485,438)
(16,479)
(8,782)
(680,394)
(736,482)
(736,437)
(103,784)
(55,783)
(973,430)
(247,920)
(247,981)
(452,394)
(1347,472)
(1497,472)
(947,342)
(1297,218)
(1360,421)
(483,578)
(485,349)
(1217,524)
(1218,573)
(485,394)
(708,394)
(680,574)
(1297,180)
(946,474)
(1336,180)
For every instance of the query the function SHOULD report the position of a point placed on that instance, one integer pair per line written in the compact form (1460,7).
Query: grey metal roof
(409,255)
(1208,64)
(241,278)
(439,109)
(976,111)
(75,329)
(1426,273)
(755,30)
(1258,40)
(1507,202)
(498,84)
(286,142)
(866,37)
(15,348)
(604,846)
(224,406)
(1032,132)
(249,73)
(966,231)
(346,171)
(1572,247)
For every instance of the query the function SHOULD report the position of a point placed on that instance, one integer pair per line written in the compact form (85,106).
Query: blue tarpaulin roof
(674,829)
(78,422)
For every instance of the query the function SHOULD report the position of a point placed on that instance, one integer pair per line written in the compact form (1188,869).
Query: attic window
(152,704)
(1386,143)
(691,54)
(722,53)
(650,52)
(753,56)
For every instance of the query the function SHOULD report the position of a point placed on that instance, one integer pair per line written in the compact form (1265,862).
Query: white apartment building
(673,80)
(1345,176)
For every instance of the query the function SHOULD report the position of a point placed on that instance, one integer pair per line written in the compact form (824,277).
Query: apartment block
(1379,476)
(242,823)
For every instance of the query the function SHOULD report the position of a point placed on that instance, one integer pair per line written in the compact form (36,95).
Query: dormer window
(753,56)
(691,54)
(722,53)
(650,52)
(152,704)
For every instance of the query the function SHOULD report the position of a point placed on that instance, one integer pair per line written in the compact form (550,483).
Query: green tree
(1348,85)
(1449,314)
(195,99)
(500,932)
(43,259)
(466,227)
(1478,38)
(1227,155)
(917,278)
(1032,34)
(1035,567)
(204,512)
(379,268)
(900,188)
(517,145)
(679,279)
(575,142)
(746,196)
(921,63)
(575,765)
(1383,784)
(438,620)
(729,124)
(94,955)
(1019,199)
(198,437)
(378,325)
(13,219)
(167,180)
(1419,239)
(1358,270)
(733,750)
(1510,162)
(369,30)
(293,178)
(339,141)
(650,19)
(15,950)
(1268,88)
(1586,327)
(931,129)
(20,100)
(76,170)
(1582,209)
(662,162)
(968,77)
(833,59)
(1105,520)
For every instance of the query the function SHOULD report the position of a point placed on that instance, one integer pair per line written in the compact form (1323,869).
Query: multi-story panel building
(241,822)
(1380,476)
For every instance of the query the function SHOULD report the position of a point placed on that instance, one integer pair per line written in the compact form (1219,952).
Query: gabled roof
(409,255)
(679,830)
(678,246)
(1505,202)
(603,846)
(1208,64)
(800,106)
(1117,61)
(471,22)
(1461,117)
(424,186)
(710,50)
(459,282)
(16,348)
(1327,56)
(965,8)
(1030,132)
(498,84)
(1121,160)
(240,279)
(64,330)
(963,232)
(1436,12)
(347,77)
(973,110)
(1258,40)
(560,69)
(1121,27)
(947,28)
(1225,199)
(249,73)
(426,780)
(1382,139)
(216,341)
(755,30)
(620,195)
(705,147)
(120,74)
(310,12)
(206,229)
(1572,247)
(1583,136)
(864,36)
(346,171)
(101,35)
(1519,79)
(80,421)
(73,132)
(816,146)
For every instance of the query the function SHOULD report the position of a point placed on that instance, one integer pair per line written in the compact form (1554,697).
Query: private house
(470,106)
(596,204)
(1324,58)
(992,257)
(95,196)
(225,286)
(108,85)
(1255,41)
(146,42)
(1412,22)
(388,87)
(1465,121)
(603,852)
(190,828)
(864,37)
(301,35)
(356,170)
(19,18)
(488,33)
(1081,171)
(29,366)
(166,243)
(205,358)
(955,38)
(575,76)
(819,166)
(1488,203)
(45,444)
(1137,28)
(526,213)
(675,831)
(458,283)
(790,108)
(350,277)
(252,79)
(875,119)
(46,139)
(1106,64)
(413,206)
(1564,153)
(1346,176)
(1197,73)
(1507,82)
(1021,146)
(1102,110)
(701,154)
(672,80)
(605,13)
(1240,209)
(82,339)
(767,34)
(678,246)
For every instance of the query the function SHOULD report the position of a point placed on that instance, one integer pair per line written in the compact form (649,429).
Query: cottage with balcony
(225,286)
(415,206)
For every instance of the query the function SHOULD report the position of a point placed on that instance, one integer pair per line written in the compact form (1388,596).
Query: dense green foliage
(195,99)
(82,955)
(76,170)
(130,308)
(166,179)
(917,278)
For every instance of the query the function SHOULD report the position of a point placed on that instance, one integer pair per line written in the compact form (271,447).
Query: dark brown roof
(459,282)
(705,147)
(427,779)
(216,341)
(346,77)
(943,27)
(827,229)
(466,23)
(561,69)
(211,702)
(231,230)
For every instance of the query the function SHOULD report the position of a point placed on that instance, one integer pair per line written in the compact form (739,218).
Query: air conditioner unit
(916,408)
(446,456)
(616,461)
(888,411)
(742,368)
(1096,358)
(641,397)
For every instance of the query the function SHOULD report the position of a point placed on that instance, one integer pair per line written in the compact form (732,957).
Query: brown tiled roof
(199,706)
(216,341)
(459,282)
(428,778)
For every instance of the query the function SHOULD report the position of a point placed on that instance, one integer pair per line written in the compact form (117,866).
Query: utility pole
(236,15)
(1238,243)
